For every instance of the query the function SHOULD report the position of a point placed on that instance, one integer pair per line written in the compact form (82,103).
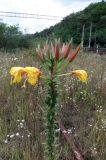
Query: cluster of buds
(58,51)
(52,56)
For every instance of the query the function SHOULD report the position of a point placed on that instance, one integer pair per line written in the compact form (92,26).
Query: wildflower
(12,136)
(30,74)
(81,74)
(18,120)
(8,135)
(17,134)
(21,125)
(6,141)
(29,135)
(22,120)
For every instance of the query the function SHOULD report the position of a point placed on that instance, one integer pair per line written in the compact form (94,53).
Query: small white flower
(69,132)
(15,59)
(58,130)
(90,125)
(29,135)
(21,125)
(64,131)
(6,141)
(12,136)
(23,120)
(17,134)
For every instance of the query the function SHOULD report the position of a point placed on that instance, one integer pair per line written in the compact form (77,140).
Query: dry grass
(81,107)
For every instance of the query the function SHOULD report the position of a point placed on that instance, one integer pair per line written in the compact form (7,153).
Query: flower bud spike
(67,50)
(74,53)
(57,55)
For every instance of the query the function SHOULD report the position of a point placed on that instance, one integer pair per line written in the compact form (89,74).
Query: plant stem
(50,116)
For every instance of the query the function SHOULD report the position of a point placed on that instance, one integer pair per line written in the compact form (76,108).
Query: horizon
(31,25)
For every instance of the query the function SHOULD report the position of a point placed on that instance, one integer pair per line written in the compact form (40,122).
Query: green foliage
(2,36)
(12,38)
(78,106)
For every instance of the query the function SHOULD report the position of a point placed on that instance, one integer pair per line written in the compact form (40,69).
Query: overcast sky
(44,7)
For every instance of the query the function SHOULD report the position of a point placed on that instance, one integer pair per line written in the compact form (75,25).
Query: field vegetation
(81,108)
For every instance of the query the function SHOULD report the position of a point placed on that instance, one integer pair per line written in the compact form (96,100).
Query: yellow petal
(17,78)
(81,74)
(32,80)
(16,72)
(32,74)
(31,70)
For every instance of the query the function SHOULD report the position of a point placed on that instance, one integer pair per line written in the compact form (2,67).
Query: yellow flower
(81,74)
(30,74)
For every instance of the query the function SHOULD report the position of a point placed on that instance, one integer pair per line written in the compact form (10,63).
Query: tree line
(88,26)
(11,37)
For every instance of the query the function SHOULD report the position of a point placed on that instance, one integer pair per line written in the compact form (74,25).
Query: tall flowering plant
(54,58)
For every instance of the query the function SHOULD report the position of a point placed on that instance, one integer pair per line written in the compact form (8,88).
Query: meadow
(81,108)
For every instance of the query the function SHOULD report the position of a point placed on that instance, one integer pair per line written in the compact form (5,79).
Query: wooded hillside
(92,17)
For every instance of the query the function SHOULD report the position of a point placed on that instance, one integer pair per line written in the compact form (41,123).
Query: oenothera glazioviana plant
(54,58)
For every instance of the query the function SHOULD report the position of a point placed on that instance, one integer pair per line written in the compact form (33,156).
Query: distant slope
(71,26)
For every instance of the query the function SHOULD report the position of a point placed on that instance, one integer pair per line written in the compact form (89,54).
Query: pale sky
(60,8)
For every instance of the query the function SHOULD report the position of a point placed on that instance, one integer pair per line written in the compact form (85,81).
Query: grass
(81,108)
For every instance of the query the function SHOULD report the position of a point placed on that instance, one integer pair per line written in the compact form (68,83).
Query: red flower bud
(67,50)
(74,53)
(57,55)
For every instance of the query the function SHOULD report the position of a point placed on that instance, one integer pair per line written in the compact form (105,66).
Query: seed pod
(74,53)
